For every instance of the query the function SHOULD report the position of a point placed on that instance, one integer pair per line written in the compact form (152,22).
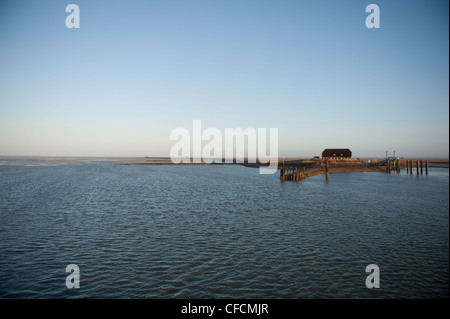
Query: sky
(136,70)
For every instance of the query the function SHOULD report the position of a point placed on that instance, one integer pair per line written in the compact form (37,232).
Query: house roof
(336,152)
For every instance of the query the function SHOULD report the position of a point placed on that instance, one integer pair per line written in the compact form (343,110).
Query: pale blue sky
(135,70)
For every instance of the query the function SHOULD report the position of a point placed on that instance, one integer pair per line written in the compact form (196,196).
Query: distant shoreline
(129,161)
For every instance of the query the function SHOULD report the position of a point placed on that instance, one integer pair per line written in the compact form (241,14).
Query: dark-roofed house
(336,153)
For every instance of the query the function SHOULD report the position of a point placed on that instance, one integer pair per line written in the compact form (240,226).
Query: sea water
(219,232)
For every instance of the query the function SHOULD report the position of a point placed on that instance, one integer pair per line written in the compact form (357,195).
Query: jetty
(298,170)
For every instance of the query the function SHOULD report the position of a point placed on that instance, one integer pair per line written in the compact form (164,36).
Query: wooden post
(426,167)
(407,167)
(326,170)
(417,164)
(421,167)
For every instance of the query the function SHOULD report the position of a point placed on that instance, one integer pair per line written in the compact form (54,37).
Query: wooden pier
(291,173)
(298,171)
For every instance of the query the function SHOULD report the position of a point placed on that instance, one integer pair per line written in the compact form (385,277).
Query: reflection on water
(219,232)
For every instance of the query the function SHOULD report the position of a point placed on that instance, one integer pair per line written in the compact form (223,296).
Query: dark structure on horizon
(336,153)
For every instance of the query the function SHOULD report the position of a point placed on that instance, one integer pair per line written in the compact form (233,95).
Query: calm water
(220,232)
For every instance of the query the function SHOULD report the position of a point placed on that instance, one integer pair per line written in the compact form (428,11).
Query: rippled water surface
(220,232)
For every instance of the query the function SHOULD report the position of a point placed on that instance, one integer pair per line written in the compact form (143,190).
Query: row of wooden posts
(419,164)
(393,165)
(396,165)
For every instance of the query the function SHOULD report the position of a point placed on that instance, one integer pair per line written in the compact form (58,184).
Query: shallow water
(220,232)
